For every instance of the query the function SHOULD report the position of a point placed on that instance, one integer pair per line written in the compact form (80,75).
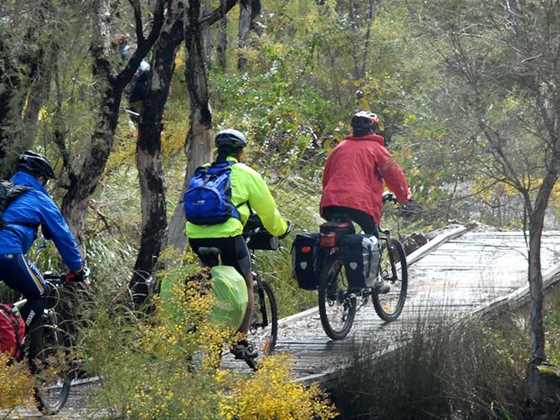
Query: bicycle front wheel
(51,367)
(393,271)
(337,305)
(264,327)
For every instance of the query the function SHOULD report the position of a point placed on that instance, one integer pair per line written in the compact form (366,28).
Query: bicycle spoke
(337,306)
(393,271)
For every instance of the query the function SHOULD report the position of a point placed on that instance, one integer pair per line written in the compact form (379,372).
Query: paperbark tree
(149,159)
(110,87)
(199,139)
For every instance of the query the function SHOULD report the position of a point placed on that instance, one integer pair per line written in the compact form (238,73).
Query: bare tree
(503,59)
(110,87)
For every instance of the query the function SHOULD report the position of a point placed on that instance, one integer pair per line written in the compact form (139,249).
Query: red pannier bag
(12,331)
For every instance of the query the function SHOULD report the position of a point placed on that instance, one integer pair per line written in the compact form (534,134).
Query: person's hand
(288,230)
(74,277)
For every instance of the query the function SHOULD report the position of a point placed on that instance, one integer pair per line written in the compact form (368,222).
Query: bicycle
(263,330)
(338,300)
(51,363)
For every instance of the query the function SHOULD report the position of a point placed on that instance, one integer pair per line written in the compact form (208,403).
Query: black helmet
(364,122)
(230,138)
(36,164)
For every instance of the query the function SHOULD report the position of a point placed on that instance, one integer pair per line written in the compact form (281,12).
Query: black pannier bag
(361,257)
(305,254)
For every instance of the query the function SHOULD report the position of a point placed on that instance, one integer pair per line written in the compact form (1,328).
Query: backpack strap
(17,191)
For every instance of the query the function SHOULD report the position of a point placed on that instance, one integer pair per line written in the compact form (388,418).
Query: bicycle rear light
(306,249)
(327,240)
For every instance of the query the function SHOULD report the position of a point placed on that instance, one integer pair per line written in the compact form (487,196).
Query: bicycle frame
(258,285)
(384,240)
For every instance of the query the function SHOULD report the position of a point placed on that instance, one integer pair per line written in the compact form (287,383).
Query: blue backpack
(208,197)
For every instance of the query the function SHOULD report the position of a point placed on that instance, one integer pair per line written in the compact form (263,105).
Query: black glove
(389,196)
(288,230)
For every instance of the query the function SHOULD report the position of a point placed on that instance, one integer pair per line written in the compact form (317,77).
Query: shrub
(167,365)
(462,371)
(16,384)
(271,394)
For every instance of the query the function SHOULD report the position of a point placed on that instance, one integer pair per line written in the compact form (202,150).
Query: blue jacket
(31,209)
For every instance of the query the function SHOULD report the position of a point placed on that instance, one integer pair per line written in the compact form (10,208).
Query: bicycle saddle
(337,226)
(210,256)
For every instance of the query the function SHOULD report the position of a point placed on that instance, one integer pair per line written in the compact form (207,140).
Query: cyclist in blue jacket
(21,220)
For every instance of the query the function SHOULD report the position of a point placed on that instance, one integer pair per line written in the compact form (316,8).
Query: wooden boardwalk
(462,275)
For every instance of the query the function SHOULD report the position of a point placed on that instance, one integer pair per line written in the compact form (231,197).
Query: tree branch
(135,4)
(218,13)
(143,47)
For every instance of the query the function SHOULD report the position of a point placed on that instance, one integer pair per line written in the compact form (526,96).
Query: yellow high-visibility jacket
(247,186)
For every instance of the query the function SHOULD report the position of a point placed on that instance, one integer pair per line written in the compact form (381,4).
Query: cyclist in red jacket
(355,174)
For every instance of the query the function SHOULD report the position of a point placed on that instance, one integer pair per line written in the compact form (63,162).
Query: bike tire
(394,270)
(53,376)
(340,303)
(265,336)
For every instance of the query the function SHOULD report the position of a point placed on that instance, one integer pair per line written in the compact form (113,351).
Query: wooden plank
(435,243)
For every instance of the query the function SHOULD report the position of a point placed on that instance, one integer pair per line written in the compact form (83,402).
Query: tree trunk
(148,152)
(199,141)
(208,41)
(84,181)
(221,49)
(248,12)
(536,223)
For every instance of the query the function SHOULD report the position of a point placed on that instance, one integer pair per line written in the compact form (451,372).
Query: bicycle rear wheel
(337,306)
(393,270)
(264,326)
(51,367)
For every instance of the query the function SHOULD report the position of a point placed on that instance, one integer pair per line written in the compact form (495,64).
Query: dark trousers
(19,275)
(363,219)
(234,251)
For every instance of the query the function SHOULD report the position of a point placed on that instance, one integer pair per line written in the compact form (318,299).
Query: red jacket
(354,175)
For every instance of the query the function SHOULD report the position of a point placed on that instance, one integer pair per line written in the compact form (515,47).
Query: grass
(472,370)
(461,371)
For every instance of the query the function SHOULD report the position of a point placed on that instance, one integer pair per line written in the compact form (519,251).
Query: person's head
(364,123)
(230,142)
(35,164)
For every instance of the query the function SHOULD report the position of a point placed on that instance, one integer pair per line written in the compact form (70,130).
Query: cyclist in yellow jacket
(248,191)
